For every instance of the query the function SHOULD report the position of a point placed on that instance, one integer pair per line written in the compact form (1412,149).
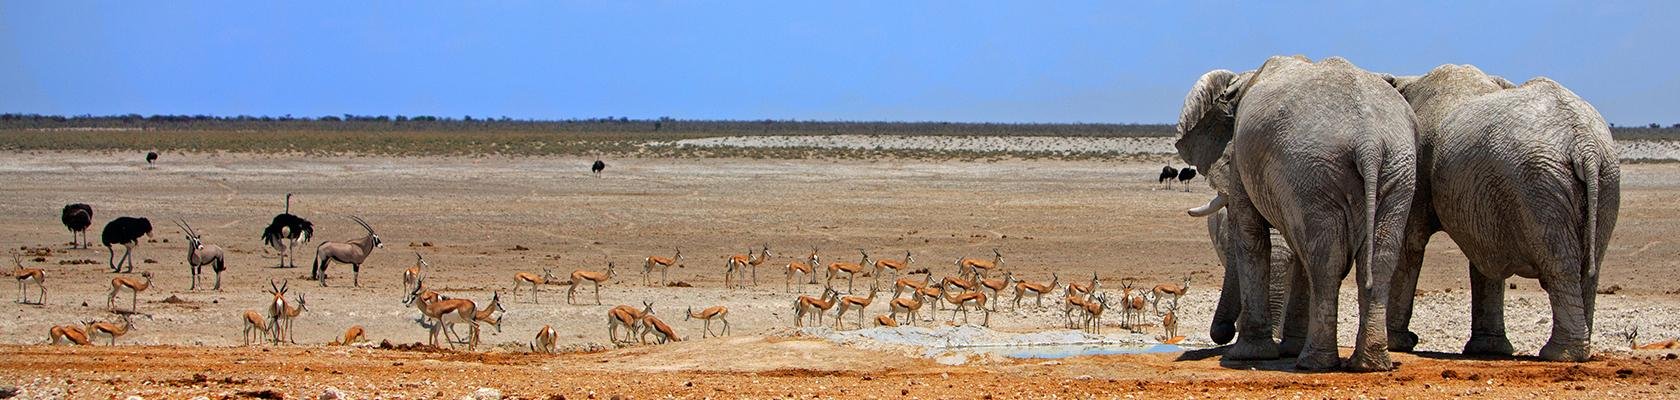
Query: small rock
(1449,374)
(487,394)
(201,398)
(131,397)
(332,393)
(1513,286)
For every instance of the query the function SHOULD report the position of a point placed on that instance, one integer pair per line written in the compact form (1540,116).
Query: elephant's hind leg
(1326,262)
(1487,315)
(1569,341)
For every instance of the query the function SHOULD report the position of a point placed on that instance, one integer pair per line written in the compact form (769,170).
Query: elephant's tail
(1370,169)
(1588,170)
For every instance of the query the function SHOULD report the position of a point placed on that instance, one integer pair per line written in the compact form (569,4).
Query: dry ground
(1069,217)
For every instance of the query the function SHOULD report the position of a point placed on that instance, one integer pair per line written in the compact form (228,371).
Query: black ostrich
(1167,175)
(78,217)
(1185,175)
(287,232)
(125,231)
(151,158)
(598,167)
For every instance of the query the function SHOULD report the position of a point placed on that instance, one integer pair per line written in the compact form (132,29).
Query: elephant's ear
(1204,124)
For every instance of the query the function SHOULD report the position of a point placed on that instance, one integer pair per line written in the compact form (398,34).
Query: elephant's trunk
(1211,207)
(1225,314)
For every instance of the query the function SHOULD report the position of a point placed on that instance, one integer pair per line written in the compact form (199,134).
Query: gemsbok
(580,276)
(255,326)
(26,277)
(130,285)
(851,270)
(96,329)
(1037,289)
(527,278)
(855,303)
(977,266)
(352,252)
(664,265)
(628,317)
(544,342)
(200,255)
(807,267)
(719,313)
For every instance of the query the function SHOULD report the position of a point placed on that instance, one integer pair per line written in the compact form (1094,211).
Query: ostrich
(151,159)
(1185,175)
(287,232)
(78,217)
(125,231)
(1167,175)
(351,252)
(598,167)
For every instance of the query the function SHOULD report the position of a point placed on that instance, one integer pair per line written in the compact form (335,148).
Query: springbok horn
(1212,206)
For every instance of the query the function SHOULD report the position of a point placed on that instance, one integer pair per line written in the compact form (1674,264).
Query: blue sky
(890,60)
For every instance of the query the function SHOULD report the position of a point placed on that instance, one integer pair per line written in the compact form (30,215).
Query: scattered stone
(519,248)
(1669,356)
(1449,374)
(1624,373)
(332,393)
(1610,290)
(1513,286)
(149,261)
(487,394)
(8,392)
(678,284)
(173,299)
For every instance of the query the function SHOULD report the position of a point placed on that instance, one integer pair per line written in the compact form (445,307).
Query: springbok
(352,252)
(738,264)
(661,331)
(807,267)
(628,317)
(903,283)
(27,276)
(134,287)
(907,305)
(488,314)
(858,303)
(1134,308)
(1075,303)
(200,255)
(447,312)
(934,294)
(997,286)
(255,326)
(292,312)
(1632,335)
(411,276)
(579,276)
(535,281)
(1162,290)
(977,266)
(277,307)
(110,330)
(71,333)
(1038,290)
(664,265)
(886,320)
(962,301)
(807,307)
(966,284)
(898,267)
(1169,320)
(719,313)
(851,270)
(544,342)
(1094,312)
(1074,288)
(352,336)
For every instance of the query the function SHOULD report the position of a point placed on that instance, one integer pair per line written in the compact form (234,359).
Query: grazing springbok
(664,265)
(898,267)
(807,307)
(71,333)
(851,270)
(524,278)
(1165,289)
(628,317)
(77,218)
(355,334)
(292,312)
(807,267)
(738,264)
(200,255)
(962,301)
(855,303)
(444,312)
(544,342)
(977,266)
(26,277)
(1037,289)
(352,252)
(1169,321)
(277,307)
(132,286)
(96,329)
(127,232)
(997,286)
(286,232)
(910,306)
(662,332)
(886,320)
(579,276)
(411,276)
(1632,336)
(255,326)
(719,313)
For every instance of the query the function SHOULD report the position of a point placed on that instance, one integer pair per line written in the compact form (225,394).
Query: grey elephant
(1526,181)
(1286,296)
(1326,154)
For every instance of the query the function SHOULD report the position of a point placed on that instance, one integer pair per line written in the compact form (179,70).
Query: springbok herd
(975,285)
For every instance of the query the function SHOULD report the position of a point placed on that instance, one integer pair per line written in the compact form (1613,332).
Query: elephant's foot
(1292,346)
(1317,360)
(1404,341)
(1369,361)
(1554,351)
(1252,349)
(1221,333)
(1488,346)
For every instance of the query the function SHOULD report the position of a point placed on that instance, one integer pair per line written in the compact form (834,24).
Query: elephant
(1526,180)
(1286,295)
(1326,154)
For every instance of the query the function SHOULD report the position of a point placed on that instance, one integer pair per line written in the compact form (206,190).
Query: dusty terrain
(486,218)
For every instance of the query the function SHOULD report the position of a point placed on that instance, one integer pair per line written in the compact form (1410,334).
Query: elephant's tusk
(1211,207)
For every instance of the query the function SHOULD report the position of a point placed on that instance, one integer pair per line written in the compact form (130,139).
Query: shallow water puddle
(1072,350)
